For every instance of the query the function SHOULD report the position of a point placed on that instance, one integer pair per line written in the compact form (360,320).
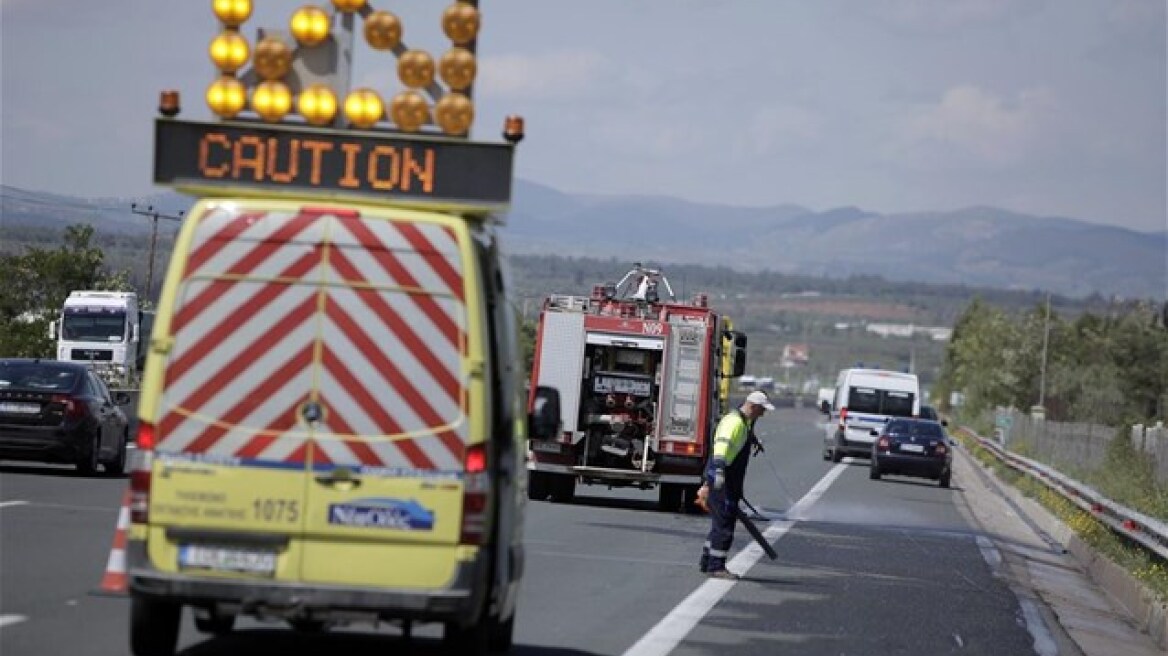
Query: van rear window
(880,402)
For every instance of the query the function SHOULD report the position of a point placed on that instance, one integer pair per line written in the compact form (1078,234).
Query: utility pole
(1045,341)
(154,216)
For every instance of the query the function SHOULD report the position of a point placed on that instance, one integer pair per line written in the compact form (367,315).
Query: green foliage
(37,283)
(1101,368)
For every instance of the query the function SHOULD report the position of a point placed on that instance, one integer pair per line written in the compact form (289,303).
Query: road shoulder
(1042,559)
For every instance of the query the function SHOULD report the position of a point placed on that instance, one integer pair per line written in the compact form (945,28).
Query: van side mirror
(543,421)
(134,333)
(739,354)
(52,330)
(945,423)
(825,407)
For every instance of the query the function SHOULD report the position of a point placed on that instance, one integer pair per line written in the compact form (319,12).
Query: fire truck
(643,380)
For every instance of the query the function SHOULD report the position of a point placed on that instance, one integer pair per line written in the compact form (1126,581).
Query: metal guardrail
(1149,532)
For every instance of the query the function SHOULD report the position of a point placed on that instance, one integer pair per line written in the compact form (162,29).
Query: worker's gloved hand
(719,478)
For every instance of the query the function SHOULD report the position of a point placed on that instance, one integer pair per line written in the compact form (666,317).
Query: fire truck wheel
(691,500)
(669,497)
(563,488)
(537,486)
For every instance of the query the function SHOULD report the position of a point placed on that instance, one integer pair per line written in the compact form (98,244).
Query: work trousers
(722,519)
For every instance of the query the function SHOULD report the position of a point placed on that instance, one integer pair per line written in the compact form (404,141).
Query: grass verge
(1144,565)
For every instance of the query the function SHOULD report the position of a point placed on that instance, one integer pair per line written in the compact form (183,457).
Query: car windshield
(88,326)
(881,402)
(927,412)
(36,376)
(914,429)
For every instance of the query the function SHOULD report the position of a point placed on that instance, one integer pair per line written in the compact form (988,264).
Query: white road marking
(1044,644)
(10,504)
(989,552)
(674,627)
(9,620)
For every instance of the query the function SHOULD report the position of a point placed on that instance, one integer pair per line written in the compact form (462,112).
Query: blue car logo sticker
(382,513)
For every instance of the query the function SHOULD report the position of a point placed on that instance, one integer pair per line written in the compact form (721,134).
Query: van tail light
(843,416)
(74,409)
(476,486)
(140,474)
(882,443)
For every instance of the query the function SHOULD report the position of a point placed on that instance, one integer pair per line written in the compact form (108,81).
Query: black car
(912,447)
(60,412)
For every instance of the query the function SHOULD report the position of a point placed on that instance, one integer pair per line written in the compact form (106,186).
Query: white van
(865,399)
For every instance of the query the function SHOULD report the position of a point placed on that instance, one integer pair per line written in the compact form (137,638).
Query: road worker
(725,476)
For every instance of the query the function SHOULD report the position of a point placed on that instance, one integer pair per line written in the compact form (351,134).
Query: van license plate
(227,559)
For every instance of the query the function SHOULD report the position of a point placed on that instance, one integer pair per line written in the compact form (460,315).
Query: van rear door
(384,502)
(228,484)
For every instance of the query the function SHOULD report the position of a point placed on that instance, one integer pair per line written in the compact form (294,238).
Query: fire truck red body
(642,385)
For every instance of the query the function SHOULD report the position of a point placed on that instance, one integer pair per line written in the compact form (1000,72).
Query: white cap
(760,398)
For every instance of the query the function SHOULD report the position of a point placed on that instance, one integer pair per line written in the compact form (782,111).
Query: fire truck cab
(642,381)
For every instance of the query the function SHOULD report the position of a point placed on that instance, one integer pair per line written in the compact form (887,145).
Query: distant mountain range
(977,246)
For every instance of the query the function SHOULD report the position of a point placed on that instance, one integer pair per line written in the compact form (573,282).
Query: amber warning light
(370,165)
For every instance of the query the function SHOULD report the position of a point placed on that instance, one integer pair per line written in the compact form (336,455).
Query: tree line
(1109,367)
(37,282)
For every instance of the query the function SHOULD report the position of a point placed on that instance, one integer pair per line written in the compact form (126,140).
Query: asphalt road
(864,567)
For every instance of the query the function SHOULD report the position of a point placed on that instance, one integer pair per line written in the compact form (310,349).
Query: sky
(1045,107)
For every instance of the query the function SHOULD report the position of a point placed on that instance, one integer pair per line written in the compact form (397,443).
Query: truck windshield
(84,326)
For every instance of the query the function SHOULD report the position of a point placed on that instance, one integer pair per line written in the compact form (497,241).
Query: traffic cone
(114,579)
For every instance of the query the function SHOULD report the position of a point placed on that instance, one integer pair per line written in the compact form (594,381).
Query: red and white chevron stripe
(364,316)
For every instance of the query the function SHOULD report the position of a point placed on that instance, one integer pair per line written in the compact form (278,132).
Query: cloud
(981,124)
(778,127)
(560,75)
(938,16)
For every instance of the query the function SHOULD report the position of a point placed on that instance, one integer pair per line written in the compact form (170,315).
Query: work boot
(723,573)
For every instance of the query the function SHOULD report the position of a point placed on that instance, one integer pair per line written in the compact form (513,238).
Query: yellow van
(332,416)
(331,426)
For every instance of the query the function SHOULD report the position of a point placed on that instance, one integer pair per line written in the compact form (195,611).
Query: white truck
(103,329)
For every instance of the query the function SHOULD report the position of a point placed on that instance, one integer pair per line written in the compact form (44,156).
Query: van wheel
(874,472)
(466,640)
(117,466)
(945,479)
(537,486)
(836,455)
(215,624)
(153,626)
(669,497)
(501,635)
(87,465)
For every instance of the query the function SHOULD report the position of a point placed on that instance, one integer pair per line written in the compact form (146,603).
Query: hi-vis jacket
(730,441)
